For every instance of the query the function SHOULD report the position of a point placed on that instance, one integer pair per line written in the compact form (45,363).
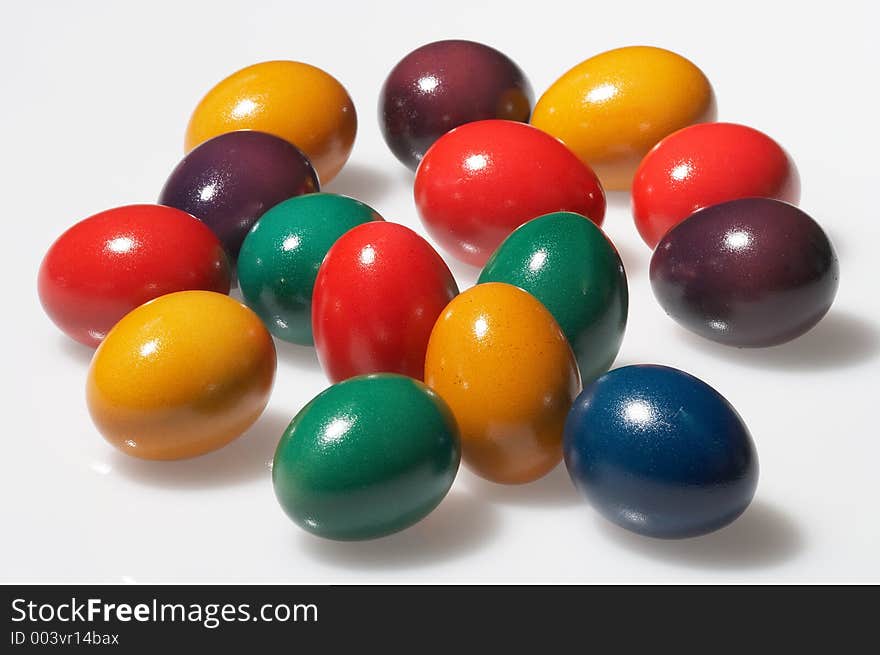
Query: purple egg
(443,85)
(749,273)
(231,180)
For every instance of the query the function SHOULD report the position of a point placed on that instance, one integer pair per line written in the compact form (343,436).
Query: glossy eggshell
(659,452)
(501,362)
(367,457)
(568,263)
(108,264)
(704,165)
(378,293)
(481,181)
(280,257)
(613,108)
(445,84)
(752,272)
(233,179)
(297,102)
(180,376)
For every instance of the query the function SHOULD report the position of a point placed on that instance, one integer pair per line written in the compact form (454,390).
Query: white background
(93,105)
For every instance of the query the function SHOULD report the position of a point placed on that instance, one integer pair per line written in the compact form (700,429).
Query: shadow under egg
(461,524)
(840,340)
(553,490)
(764,536)
(246,459)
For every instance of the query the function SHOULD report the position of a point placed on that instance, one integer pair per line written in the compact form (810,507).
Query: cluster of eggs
(509,376)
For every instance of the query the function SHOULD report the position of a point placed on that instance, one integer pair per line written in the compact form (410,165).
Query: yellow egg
(292,100)
(502,364)
(182,375)
(613,108)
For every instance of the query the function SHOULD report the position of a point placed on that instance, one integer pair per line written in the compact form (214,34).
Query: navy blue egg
(659,452)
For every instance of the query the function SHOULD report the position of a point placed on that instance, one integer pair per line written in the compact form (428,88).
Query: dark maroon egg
(231,180)
(750,273)
(446,84)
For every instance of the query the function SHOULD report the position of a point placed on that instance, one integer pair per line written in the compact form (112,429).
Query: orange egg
(292,100)
(502,364)
(613,108)
(181,375)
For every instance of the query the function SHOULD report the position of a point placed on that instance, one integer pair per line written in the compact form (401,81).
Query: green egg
(280,257)
(367,457)
(567,262)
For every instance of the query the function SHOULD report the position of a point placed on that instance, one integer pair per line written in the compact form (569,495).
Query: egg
(233,179)
(295,101)
(367,457)
(378,293)
(567,262)
(445,84)
(504,367)
(660,452)
(106,265)
(180,376)
(752,272)
(481,181)
(703,165)
(280,257)
(613,108)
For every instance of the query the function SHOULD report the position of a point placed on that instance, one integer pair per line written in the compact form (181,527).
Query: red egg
(106,265)
(704,165)
(378,294)
(481,181)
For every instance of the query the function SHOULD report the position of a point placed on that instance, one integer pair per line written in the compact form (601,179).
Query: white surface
(95,99)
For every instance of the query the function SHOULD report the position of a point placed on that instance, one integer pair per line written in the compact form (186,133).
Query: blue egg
(659,452)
